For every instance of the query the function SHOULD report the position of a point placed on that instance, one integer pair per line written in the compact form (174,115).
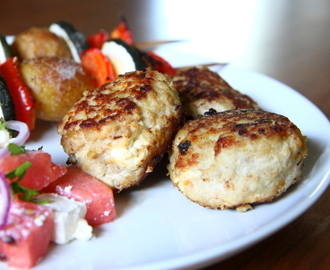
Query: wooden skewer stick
(213,66)
(155,43)
(152,44)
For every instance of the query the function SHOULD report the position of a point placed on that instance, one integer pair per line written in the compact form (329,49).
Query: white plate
(158,228)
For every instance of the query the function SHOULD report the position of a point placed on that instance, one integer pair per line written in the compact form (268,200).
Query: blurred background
(287,40)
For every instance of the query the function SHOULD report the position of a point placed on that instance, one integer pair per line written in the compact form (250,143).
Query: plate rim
(216,254)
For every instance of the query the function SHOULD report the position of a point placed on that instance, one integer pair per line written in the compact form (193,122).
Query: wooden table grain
(284,39)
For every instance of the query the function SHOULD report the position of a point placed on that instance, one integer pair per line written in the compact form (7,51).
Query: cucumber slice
(5,49)
(124,57)
(7,111)
(76,40)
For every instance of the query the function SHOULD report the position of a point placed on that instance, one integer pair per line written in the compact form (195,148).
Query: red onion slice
(20,139)
(5,193)
(23,131)
(5,200)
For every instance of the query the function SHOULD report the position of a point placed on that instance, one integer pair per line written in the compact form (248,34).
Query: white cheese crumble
(80,232)
(68,218)
(5,137)
(39,220)
(67,189)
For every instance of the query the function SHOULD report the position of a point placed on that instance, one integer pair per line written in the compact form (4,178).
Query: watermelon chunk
(80,186)
(27,234)
(42,171)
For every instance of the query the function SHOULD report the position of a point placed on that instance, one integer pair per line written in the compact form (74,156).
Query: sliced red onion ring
(20,139)
(23,131)
(5,200)
(5,193)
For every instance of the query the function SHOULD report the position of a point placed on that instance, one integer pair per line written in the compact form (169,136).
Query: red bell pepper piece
(122,32)
(97,40)
(98,65)
(159,63)
(23,100)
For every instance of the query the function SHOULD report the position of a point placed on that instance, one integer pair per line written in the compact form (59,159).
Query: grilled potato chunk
(201,89)
(39,42)
(119,131)
(236,158)
(56,84)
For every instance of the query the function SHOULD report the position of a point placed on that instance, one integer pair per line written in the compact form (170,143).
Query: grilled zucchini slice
(124,57)
(75,39)
(7,111)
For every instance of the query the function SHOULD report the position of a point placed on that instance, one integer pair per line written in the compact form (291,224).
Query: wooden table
(286,40)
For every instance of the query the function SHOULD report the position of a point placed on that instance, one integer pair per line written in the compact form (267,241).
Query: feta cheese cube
(68,218)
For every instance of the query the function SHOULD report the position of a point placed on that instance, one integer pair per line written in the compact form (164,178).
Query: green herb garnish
(25,194)
(14,149)
(19,172)
(2,124)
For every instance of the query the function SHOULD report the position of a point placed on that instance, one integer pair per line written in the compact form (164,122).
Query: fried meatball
(201,89)
(236,158)
(119,131)
(39,42)
(56,84)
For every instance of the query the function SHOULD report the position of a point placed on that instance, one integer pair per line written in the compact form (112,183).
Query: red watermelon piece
(42,171)
(27,234)
(80,186)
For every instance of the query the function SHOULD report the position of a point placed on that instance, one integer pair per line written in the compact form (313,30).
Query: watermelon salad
(41,202)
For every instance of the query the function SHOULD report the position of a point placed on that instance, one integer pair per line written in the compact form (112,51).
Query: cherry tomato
(159,63)
(122,32)
(97,40)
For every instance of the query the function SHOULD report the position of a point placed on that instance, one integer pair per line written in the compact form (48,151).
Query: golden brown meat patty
(236,158)
(39,42)
(119,131)
(201,89)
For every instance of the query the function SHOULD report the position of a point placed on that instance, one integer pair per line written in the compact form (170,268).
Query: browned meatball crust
(119,131)
(201,89)
(236,158)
